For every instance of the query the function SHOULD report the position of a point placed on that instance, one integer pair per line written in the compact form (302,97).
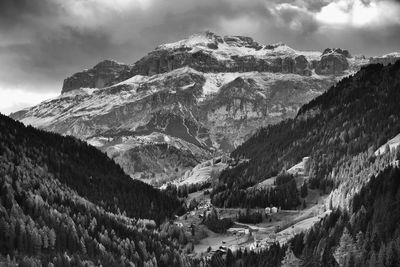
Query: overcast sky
(44,41)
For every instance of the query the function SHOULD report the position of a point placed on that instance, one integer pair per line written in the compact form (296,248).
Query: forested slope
(368,235)
(359,114)
(65,203)
(83,168)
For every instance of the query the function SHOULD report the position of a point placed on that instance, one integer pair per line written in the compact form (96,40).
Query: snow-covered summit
(198,39)
(208,52)
(226,47)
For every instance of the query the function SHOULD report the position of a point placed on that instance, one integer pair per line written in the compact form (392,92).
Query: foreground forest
(64,203)
(362,231)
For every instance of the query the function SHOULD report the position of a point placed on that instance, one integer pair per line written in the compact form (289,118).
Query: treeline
(284,194)
(271,257)
(359,114)
(184,190)
(250,217)
(216,224)
(55,209)
(84,169)
(351,176)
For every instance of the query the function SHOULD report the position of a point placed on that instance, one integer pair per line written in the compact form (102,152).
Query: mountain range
(187,101)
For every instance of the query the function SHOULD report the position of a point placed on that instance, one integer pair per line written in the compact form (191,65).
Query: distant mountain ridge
(202,95)
(208,52)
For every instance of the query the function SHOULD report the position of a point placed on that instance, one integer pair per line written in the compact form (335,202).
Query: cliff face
(210,53)
(105,73)
(200,95)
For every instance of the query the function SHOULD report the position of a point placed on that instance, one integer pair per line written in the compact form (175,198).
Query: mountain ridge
(202,99)
(208,52)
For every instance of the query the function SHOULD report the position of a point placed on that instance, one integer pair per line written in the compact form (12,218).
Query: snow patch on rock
(392,143)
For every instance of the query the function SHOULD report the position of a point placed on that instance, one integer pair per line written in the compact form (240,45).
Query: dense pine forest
(359,114)
(64,203)
(285,195)
(268,258)
(362,230)
(369,235)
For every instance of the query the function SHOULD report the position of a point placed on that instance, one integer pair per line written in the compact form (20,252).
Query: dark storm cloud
(45,58)
(43,41)
(177,25)
(14,11)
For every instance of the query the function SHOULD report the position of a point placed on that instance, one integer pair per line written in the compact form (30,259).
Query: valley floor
(277,227)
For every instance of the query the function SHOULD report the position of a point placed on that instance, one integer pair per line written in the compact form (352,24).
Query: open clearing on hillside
(278,227)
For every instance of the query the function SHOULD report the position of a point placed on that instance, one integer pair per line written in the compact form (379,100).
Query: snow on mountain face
(387,59)
(203,109)
(224,48)
(210,53)
(185,99)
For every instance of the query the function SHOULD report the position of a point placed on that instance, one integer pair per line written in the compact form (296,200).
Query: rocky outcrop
(340,51)
(332,63)
(302,66)
(242,41)
(105,73)
(164,61)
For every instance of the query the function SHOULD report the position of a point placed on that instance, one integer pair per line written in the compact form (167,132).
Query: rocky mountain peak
(208,52)
(333,62)
(210,40)
(276,45)
(242,41)
(201,39)
(340,51)
(108,63)
(104,73)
